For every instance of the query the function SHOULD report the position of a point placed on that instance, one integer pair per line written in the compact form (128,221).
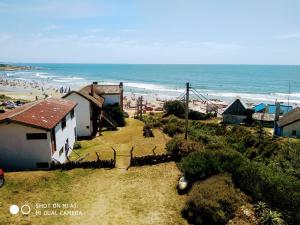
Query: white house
(289,124)
(90,100)
(37,133)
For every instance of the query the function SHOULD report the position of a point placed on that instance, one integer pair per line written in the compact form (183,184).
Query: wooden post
(141,108)
(187,109)
(115,156)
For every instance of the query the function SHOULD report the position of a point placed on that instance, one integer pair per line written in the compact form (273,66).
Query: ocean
(254,83)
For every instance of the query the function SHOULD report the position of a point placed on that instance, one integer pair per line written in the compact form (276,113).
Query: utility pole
(141,108)
(289,93)
(187,109)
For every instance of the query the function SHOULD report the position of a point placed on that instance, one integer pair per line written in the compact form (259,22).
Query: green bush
(172,129)
(77,145)
(213,201)
(256,179)
(173,126)
(263,183)
(180,146)
(176,108)
(195,115)
(116,113)
(152,121)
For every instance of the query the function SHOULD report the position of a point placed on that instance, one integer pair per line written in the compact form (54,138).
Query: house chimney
(93,87)
(121,94)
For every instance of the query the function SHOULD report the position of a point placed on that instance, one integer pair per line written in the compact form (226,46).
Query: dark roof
(44,114)
(290,117)
(107,89)
(237,107)
(86,92)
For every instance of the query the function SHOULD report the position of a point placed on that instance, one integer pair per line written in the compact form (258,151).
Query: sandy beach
(33,90)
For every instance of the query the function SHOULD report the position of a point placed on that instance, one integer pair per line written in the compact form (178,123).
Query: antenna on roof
(289,93)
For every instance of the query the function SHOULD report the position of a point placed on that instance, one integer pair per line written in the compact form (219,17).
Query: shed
(235,113)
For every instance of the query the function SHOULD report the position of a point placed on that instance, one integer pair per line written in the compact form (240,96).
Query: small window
(61,151)
(72,113)
(36,136)
(294,133)
(63,123)
(42,165)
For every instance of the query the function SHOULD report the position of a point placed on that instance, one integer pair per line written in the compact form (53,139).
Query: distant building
(271,108)
(289,124)
(236,112)
(37,133)
(265,113)
(91,99)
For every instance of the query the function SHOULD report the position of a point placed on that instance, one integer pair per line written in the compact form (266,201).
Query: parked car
(1,177)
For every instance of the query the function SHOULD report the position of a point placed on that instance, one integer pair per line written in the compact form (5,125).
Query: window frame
(36,136)
(63,123)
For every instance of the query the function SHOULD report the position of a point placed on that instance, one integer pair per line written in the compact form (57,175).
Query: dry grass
(141,195)
(123,140)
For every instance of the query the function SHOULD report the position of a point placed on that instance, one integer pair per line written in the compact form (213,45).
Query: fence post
(153,150)
(115,156)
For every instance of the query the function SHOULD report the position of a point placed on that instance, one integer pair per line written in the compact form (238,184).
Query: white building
(91,99)
(289,124)
(37,133)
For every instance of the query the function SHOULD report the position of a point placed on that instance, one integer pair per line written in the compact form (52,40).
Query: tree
(176,108)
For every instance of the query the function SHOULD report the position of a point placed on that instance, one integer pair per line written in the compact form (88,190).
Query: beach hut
(37,133)
(236,112)
(91,99)
(289,124)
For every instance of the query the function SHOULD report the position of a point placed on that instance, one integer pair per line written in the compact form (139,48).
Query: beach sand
(33,90)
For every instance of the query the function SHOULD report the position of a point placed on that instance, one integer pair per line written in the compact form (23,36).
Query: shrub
(270,217)
(195,115)
(176,108)
(180,146)
(172,129)
(151,121)
(280,190)
(116,113)
(77,145)
(256,179)
(213,201)
(172,126)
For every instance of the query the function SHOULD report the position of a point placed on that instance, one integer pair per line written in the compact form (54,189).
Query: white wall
(287,130)
(111,99)
(83,112)
(16,152)
(61,135)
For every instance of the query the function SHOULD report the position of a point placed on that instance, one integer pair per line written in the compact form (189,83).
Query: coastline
(149,82)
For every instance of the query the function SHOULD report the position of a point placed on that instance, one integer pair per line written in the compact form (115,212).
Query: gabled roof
(45,114)
(290,117)
(237,107)
(96,98)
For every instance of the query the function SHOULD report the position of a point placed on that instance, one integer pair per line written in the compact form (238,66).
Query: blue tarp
(271,108)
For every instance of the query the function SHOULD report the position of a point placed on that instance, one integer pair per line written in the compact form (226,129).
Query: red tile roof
(44,114)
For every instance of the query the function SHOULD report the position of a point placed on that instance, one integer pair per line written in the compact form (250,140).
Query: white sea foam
(257,97)
(152,87)
(68,79)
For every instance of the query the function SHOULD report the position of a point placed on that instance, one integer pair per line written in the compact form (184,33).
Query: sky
(151,31)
